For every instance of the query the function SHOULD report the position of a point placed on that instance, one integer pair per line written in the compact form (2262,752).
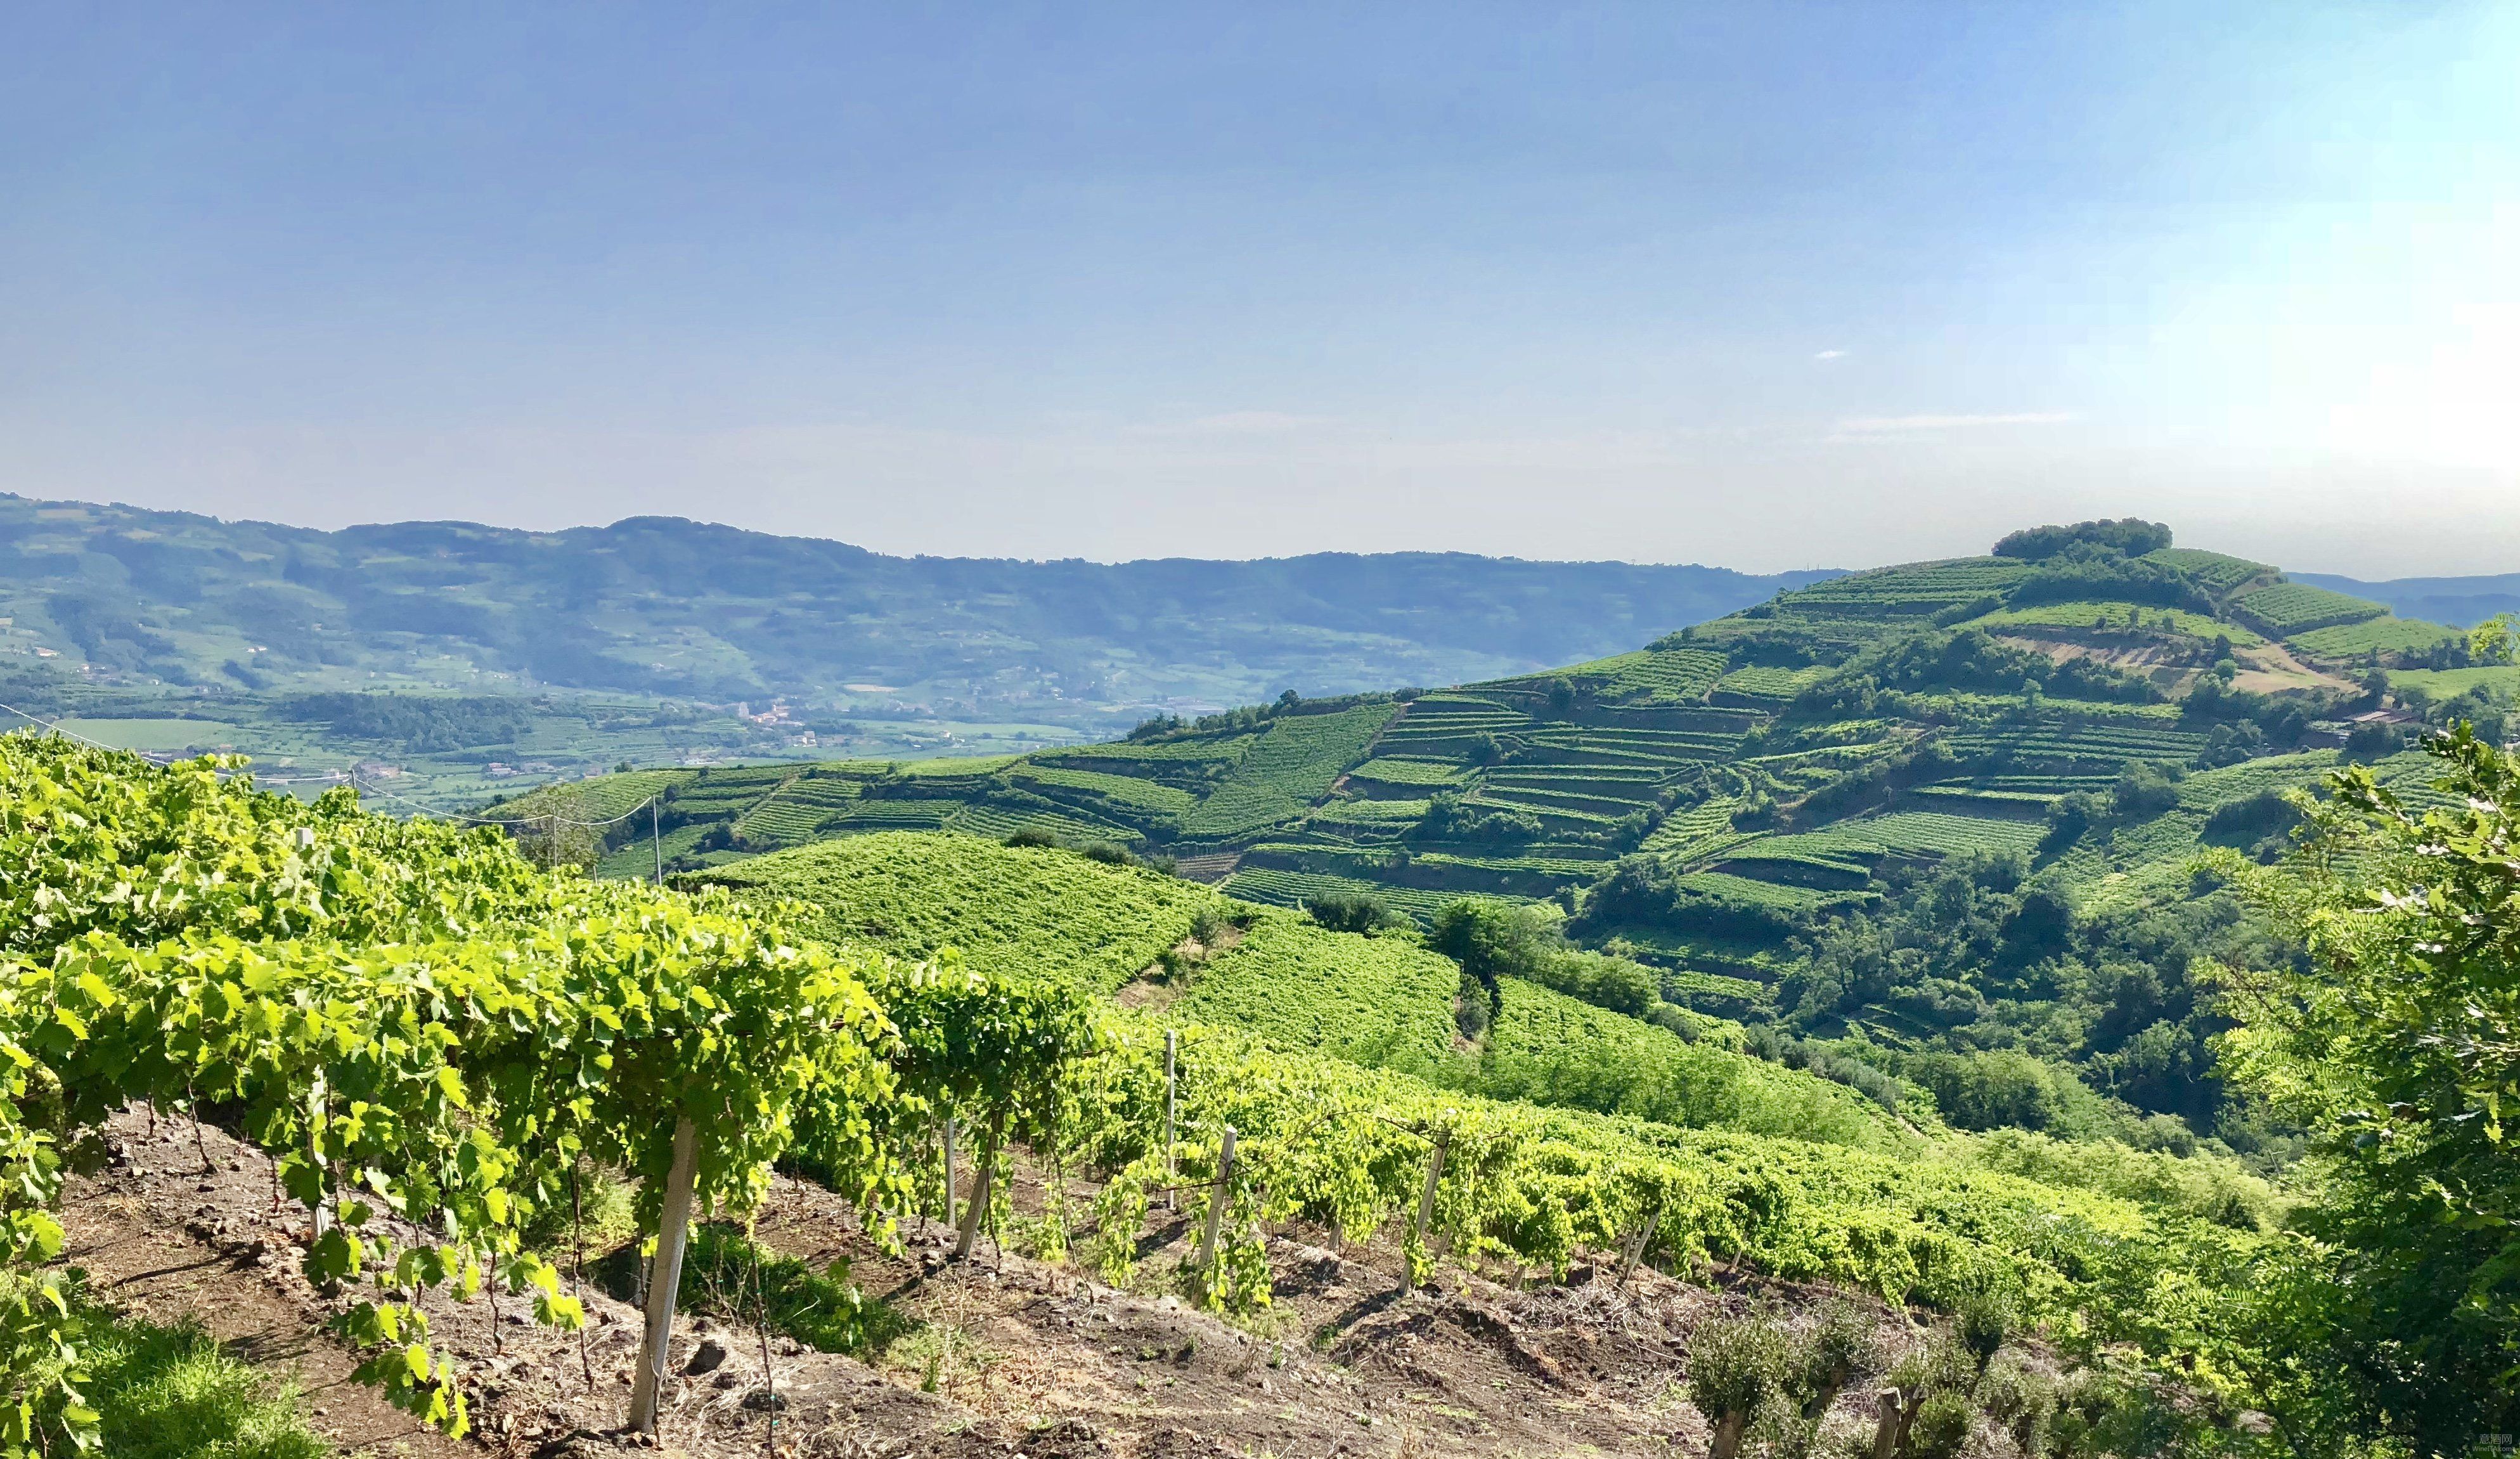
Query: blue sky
(1769,285)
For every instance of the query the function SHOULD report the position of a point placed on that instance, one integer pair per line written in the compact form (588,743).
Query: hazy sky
(1763,285)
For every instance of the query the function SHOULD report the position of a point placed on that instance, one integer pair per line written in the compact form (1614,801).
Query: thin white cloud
(1830,354)
(1892,424)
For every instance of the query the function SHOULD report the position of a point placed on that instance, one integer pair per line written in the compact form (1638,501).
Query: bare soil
(2271,669)
(2267,669)
(1210,869)
(1009,1355)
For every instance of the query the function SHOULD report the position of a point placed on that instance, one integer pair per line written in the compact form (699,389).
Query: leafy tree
(2372,742)
(2497,640)
(1451,818)
(1350,911)
(2130,535)
(2087,571)
(1738,1366)
(1991,1088)
(1492,939)
(2398,1047)
(2144,789)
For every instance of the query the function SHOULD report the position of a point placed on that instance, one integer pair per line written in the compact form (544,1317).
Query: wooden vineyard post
(978,1207)
(1425,1209)
(1888,1424)
(1216,1203)
(655,837)
(1636,1244)
(1172,1111)
(665,1279)
(949,1170)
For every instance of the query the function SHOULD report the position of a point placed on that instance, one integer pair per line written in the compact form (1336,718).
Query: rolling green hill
(1934,812)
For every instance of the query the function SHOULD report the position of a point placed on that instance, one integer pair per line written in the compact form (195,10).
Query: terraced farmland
(1749,781)
(1381,1001)
(2214,571)
(1020,909)
(2115,621)
(1931,833)
(1657,675)
(1767,686)
(2288,608)
(794,812)
(1121,798)
(1377,813)
(2383,635)
(1415,776)
(2088,749)
(1916,591)
(1275,888)
(1291,767)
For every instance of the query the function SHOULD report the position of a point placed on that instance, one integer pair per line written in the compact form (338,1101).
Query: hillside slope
(1943,810)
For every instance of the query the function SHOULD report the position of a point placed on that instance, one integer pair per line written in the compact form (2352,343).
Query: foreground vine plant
(430,1035)
(413,1020)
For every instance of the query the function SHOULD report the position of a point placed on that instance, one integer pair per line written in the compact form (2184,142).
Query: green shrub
(1993,1087)
(1492,939)
(1351,911)
(1736,1366)
(1473,1008)
(2022,1401)
(1983,1323)
(1941,1427)
(2372,742)
(2144,789)
(1673,1019)
(1612,983)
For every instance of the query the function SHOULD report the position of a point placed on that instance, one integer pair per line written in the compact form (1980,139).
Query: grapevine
(410,1019)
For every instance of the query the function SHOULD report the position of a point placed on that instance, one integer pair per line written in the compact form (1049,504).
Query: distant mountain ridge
(2461,601)
(664,606)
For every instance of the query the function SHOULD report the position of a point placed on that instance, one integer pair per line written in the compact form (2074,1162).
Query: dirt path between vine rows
(1007,1356)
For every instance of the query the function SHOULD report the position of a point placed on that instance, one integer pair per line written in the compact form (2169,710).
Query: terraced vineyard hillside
(1739,746)
(1727,800)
